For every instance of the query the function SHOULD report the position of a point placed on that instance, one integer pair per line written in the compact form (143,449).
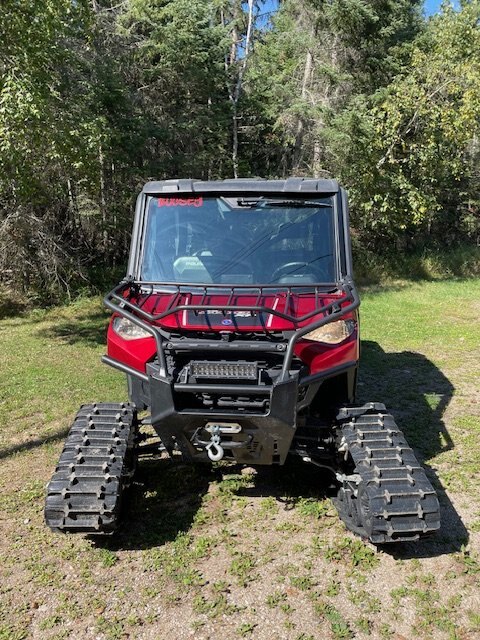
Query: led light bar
(223,369)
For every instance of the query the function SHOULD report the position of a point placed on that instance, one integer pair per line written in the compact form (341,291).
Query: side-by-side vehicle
(237,328)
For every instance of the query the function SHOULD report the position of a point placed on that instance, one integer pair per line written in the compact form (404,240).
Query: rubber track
(97,461)
(403,504)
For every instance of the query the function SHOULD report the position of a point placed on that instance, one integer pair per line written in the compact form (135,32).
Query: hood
(242,318)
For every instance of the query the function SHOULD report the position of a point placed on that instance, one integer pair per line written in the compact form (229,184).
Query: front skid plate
(271,434)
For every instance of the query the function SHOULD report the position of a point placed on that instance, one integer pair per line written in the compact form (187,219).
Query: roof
(243,185)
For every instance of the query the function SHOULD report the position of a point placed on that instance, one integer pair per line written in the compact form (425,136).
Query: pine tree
(312,66)
(179,57)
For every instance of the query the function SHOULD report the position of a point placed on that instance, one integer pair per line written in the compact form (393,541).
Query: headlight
(128,330)
(332,333)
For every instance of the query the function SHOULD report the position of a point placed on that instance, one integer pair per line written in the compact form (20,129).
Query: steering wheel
(287,269)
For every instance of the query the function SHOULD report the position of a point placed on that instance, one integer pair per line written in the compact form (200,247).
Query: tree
(314,63)
(97,96)
(179,61)
(242,25)
(43,145)
(413,165)
(68,138)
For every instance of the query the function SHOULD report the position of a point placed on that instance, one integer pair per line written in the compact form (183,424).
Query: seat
(191,269)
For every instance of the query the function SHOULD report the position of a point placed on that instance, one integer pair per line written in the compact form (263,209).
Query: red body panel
(317,356)
(134,353)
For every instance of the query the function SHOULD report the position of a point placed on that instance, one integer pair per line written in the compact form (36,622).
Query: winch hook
(214,449)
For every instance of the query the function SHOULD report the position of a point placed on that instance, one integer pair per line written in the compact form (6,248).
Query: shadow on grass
(161,503)
(87,328)
(166,497)
(413,389)
(33,444)
(417,393)
(298,480)
(292,482)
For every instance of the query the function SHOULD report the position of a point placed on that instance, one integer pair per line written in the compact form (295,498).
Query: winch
(215,447)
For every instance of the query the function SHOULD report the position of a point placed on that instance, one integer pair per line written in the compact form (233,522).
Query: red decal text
(180,202)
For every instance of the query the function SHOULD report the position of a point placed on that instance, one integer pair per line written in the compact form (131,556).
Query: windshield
(239,240)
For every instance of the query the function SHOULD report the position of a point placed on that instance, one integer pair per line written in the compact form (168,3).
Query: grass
(429,264)
(233,553)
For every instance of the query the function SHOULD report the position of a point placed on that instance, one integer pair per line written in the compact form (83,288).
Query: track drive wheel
(355,510)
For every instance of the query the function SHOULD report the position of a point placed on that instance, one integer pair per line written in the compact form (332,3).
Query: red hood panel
(215,319)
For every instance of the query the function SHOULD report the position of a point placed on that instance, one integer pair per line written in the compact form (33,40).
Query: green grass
(420,356)
(415,316)
(430,264)
(49,362)
(226,551)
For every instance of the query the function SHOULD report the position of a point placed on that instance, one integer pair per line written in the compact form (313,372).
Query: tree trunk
(103,202)
(237,89)
(298,148)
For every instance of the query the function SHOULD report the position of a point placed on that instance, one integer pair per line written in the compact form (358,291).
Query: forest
(99,96)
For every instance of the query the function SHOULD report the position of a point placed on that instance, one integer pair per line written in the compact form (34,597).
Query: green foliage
(107,558)
(98,97)
(179,55)
(55,135)
(414,146)
(339,626)
(310,69)
(353,551)
(242,566)
(313,508)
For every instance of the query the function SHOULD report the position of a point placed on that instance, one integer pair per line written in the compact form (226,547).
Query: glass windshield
(239,240)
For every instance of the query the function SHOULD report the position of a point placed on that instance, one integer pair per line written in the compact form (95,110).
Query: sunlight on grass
(50,365)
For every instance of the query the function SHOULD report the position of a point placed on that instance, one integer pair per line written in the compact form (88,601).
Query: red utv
(237,327)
